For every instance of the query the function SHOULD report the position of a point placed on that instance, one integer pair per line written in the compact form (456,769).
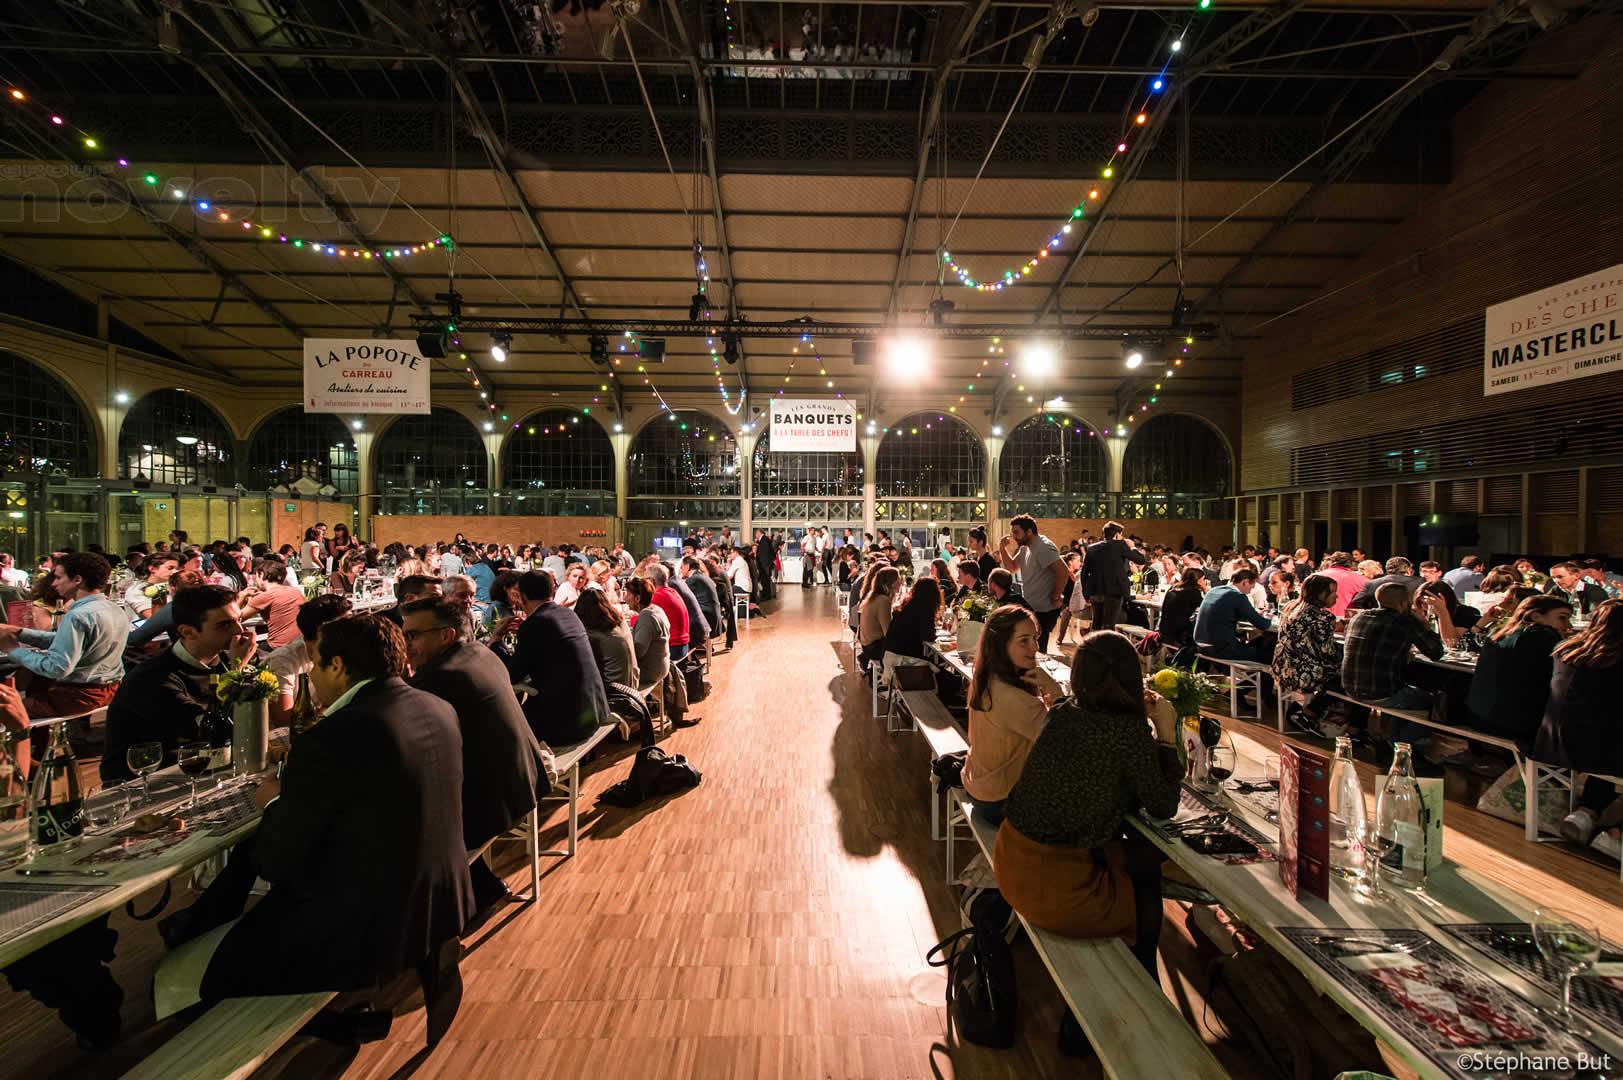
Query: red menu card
(1304,821)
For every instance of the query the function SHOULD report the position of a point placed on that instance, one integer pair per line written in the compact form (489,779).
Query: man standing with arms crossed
(1042,578)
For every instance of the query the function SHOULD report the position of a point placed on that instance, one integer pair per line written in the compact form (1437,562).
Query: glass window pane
(804,475)
(1051,454)
(1176,454)
(685,453)
(441,449)
(172,437)
(293,446)
(560,449)
(42,427)
(931,455)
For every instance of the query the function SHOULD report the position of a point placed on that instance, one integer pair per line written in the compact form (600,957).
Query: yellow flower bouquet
(244,683)
(1187,690)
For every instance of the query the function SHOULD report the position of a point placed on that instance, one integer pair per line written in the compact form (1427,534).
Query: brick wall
(513,529)
(287,526)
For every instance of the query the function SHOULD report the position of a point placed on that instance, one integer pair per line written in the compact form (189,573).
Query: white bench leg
(532,844)
(1279,708)
(951,835)
(570,783)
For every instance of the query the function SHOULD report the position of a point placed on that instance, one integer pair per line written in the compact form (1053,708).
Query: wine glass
(1571,947)
(194,762)
(1221,761)
(143,759)
(1376,848)
(108,808)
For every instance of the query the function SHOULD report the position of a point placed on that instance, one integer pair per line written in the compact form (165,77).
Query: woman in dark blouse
(1512,681)
(1582,723)
(1060,859)
(914,623)
(1463,617)
(1179,606)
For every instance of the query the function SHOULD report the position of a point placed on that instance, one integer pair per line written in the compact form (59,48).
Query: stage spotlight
(599,346)
(501,343)
(729,348)
(431,346)
(1133,354)
(1038,358)
(697,306)
(906,357)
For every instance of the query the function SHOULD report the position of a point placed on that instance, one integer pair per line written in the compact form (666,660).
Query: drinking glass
(193,759)
(1571,947)
(143,759)
(1221,761)
(1376,848)
(107,808)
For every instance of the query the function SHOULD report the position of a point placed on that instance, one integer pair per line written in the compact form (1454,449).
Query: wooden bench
(1247,673)
(935,722)
(1537,775)
(566,763)
(885,682)
(1124,1012)
(232,1039)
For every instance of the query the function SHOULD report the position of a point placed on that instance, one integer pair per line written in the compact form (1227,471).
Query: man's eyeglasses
(413,635)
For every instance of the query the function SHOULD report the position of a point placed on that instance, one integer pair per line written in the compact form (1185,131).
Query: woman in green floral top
(1060,859)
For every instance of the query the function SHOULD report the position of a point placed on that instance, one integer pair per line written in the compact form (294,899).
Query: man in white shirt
(555,564)
(450,563)
(738,572)
(1042,576)
(293,659)
(9,574)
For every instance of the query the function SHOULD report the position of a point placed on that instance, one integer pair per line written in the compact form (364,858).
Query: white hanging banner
(815,425)
(364,375)
(1564,332)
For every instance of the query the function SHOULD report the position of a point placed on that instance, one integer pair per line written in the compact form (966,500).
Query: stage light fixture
(697,306)
(1133,354)
(501,343)
(599,346)
(729,348)
(907,357)
(1038,358)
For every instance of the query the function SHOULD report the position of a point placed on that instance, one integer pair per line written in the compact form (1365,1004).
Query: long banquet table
(1255,893)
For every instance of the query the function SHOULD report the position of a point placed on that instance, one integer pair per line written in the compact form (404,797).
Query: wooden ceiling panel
(820,194)
(815,233)
(580,228)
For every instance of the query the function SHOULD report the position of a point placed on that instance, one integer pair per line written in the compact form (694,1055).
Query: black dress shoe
(442,989)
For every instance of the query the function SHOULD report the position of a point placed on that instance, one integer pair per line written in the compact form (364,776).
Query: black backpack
(981,993)
(693,675)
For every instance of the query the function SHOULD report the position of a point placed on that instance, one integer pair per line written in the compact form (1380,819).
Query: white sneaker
(1578,827)
(1607,843)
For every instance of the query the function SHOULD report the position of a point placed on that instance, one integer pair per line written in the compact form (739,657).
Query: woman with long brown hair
(878,600)
(914,623)
(1512,682)
(1583,726)
(1494,619)
(1009,698)
(1061,858)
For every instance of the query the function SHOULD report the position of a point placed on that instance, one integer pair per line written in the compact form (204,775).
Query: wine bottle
(215,728)
(57,813)
(305,710)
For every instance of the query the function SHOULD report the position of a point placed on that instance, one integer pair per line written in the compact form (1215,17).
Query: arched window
(558,449)
(687,453)
(42,427)
(1174,454)
(1051,455)
(311,453)
(172,437)
(441,449)
(930,455)
(804,475)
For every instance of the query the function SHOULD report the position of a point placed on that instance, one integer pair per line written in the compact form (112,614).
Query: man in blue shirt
(1466,577)
(483,573)
(77,667)
(1221,613)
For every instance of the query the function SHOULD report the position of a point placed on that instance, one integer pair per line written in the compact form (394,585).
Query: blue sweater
(1221,611)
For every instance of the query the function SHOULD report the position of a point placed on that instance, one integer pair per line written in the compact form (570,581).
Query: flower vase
(250,737)
(969,635)
(1191,751)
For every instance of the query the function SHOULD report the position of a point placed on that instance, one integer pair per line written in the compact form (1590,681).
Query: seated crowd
(421,727)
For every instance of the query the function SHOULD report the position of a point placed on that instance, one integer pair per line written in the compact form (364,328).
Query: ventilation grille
(1555,493)
(1559,431)
(1606,487)
(1378,502)
(1346,504)
(1416,498)
(1318,505)
(1456,497)
(1502,495)
(1437,352)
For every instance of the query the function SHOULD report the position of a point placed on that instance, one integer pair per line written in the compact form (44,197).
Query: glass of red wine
(193,759)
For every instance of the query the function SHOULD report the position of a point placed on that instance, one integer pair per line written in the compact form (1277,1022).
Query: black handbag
(693,675)
(981,995)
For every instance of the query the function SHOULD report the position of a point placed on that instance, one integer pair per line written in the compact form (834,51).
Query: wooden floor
(772,922)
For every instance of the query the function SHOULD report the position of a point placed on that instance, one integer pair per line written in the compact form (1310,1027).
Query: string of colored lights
(1140,118)
(212,210)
